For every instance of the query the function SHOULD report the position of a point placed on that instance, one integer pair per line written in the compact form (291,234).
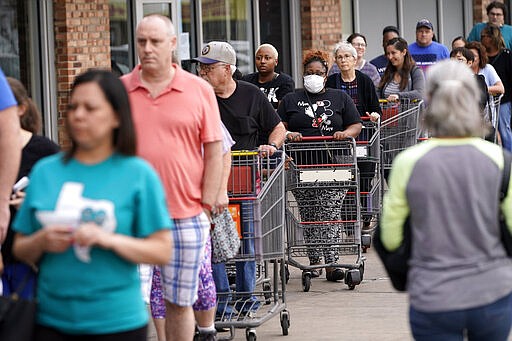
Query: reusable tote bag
(225,239)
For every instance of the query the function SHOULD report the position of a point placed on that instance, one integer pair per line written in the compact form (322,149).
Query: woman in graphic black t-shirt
(319,111)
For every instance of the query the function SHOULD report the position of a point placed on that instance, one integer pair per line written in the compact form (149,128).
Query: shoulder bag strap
(507,161)
(506,237)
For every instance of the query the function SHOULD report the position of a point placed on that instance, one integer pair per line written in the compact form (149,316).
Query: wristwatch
(273,145)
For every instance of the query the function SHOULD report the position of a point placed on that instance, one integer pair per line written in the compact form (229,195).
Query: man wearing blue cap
(425,51)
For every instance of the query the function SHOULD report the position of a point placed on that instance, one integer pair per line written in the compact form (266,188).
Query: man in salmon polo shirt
(177,118)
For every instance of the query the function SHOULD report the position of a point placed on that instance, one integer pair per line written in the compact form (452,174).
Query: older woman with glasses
(362,91)
(358,41)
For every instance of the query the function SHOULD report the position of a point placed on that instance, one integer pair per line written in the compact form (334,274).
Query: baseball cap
(424,23)
(217,51)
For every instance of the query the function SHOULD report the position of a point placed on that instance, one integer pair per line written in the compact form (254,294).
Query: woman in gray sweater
(460,277)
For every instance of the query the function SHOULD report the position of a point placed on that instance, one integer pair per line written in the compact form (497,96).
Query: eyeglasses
(359,44)
(495,14)
(207,68)
(344,57)
(460,59)
(318,73)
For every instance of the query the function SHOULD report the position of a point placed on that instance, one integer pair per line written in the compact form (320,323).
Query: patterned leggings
(317,205)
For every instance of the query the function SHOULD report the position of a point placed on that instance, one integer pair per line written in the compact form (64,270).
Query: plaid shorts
(180,276)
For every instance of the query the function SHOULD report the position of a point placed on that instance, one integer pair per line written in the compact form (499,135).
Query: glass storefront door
(231,21)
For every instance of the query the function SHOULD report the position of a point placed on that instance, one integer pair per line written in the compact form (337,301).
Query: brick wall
(82,41)
(321,24)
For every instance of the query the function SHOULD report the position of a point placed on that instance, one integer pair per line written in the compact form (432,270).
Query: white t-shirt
(490,74)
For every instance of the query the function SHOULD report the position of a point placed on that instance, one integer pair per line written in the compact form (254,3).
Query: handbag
(395,262)
(225,239)
(17,315)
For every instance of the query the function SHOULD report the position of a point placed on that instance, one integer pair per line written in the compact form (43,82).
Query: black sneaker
(206,336)
(334,275)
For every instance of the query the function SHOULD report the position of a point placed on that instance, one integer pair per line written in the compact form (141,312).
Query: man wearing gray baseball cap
(247,114)
(217,51)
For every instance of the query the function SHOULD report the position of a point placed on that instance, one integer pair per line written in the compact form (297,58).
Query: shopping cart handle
(322,138)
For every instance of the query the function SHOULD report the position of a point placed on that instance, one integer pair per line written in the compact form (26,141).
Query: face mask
(313,83)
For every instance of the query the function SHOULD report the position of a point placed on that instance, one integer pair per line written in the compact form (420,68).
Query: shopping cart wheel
(366,241)
(352,278)
(285,321)
(267,288)
(250,334)
(306,281)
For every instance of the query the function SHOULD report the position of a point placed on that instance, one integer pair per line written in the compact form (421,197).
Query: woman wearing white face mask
(319,111)
(302,111)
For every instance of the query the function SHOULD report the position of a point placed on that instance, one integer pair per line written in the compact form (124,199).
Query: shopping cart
(399,129)
(492,116)
(256,193)
(368,163)
(320,222)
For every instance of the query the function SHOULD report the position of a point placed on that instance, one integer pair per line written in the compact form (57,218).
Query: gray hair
(345,46)
(271,47)
(232,69)
(453,94)
(168,23)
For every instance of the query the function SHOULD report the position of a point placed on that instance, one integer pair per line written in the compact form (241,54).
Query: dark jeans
(43,333)
(18,276)
(488,322)
(245,270)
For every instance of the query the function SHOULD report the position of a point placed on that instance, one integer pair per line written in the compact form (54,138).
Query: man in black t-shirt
(248,115)
(244,110)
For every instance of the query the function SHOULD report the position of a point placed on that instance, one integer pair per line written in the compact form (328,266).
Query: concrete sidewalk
(329,311)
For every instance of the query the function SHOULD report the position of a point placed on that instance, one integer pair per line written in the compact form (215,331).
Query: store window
(121,61)
(15,40)
(187,35)
(275,30)
(230,20)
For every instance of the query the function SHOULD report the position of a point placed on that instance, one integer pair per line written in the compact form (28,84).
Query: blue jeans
(488,322)
(504,126)
(13,277)
(245,270)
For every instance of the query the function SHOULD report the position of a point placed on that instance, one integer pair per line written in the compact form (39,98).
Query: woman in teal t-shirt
(89,217)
